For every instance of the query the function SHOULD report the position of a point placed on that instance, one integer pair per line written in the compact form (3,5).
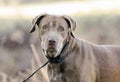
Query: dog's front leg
(57,78)
(89,73)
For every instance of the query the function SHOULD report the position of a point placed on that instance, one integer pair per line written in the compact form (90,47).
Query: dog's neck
(60,72)
(59,67)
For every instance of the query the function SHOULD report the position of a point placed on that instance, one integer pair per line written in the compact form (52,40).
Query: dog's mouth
(51,52)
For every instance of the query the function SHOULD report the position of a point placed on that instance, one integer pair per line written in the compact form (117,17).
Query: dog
(73,59)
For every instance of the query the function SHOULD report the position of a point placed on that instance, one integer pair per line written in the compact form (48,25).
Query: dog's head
(54,32)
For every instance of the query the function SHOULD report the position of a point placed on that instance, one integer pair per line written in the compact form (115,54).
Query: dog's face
(54,32)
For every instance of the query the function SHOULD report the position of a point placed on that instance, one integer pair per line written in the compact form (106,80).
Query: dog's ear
(35,21)
(71,23)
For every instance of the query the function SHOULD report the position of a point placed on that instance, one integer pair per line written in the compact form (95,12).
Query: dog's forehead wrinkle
(53,21)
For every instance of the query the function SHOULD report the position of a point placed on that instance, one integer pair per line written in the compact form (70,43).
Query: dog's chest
(62,74)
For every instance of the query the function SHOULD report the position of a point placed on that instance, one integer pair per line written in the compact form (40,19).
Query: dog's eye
(60,28)
(45,27)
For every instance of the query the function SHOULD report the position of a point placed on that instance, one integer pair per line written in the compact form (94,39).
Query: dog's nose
(52,42)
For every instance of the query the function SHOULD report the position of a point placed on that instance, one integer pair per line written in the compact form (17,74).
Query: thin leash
(36,71)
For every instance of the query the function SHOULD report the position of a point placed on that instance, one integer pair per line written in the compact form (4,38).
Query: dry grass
(40,76)
(37,59)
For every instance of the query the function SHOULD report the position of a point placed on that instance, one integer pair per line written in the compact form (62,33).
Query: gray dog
(71,59)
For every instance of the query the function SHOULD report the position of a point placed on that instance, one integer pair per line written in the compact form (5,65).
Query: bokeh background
(98,21)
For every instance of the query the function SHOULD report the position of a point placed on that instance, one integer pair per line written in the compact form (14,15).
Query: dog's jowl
(72,59)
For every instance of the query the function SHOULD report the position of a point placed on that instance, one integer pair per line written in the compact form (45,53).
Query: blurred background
(98,21)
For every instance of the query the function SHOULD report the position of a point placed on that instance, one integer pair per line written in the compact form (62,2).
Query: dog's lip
(51,49)
(51,52)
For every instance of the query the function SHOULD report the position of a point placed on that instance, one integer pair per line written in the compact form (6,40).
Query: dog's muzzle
(51,50)
(59,58)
